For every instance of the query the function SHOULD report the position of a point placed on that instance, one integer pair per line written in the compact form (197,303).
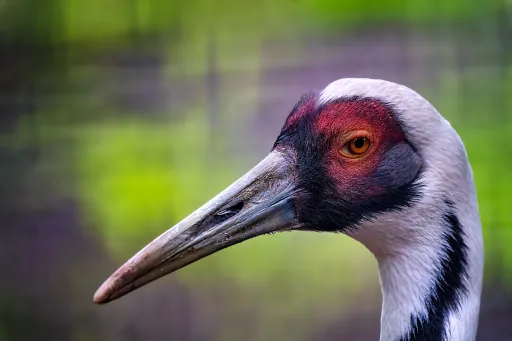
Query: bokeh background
(119,117)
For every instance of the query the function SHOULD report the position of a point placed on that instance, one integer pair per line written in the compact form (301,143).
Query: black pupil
(359,142)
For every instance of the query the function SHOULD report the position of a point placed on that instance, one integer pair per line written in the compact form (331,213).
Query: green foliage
(343,13)
(194,21)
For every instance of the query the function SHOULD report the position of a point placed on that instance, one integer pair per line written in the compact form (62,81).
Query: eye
(356,147)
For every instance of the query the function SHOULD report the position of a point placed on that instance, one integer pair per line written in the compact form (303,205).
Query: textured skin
(337,192)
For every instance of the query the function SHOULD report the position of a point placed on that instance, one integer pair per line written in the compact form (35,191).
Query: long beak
(260,202)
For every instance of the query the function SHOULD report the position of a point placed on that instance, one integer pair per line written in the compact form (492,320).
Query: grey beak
(258,203)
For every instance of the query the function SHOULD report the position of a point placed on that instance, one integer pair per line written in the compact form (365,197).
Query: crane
(370,159)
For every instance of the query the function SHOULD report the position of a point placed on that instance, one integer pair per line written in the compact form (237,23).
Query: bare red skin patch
(335,191)
(338,121)
(305,106)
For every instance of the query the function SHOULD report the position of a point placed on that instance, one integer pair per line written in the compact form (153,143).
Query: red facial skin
(341,121)
(344,121)
(335,188)
(306,106)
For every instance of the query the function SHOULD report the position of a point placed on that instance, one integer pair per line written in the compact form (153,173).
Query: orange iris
(356,147)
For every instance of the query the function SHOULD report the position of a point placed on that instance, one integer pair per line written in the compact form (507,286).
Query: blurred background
(119,117)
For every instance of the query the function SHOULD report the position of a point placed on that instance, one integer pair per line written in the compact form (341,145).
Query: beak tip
(102,295)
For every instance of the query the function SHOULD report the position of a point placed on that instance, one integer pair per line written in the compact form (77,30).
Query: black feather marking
(449,288)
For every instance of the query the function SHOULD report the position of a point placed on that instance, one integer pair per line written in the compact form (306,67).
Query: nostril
(231,210)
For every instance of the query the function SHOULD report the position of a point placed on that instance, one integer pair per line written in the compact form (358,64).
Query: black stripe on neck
(449,287)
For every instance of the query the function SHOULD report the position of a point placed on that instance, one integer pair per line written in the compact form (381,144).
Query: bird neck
(431,285)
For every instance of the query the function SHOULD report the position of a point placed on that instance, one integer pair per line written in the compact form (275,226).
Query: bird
(368,158)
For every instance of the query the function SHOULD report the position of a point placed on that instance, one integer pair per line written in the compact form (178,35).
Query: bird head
(356,158)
